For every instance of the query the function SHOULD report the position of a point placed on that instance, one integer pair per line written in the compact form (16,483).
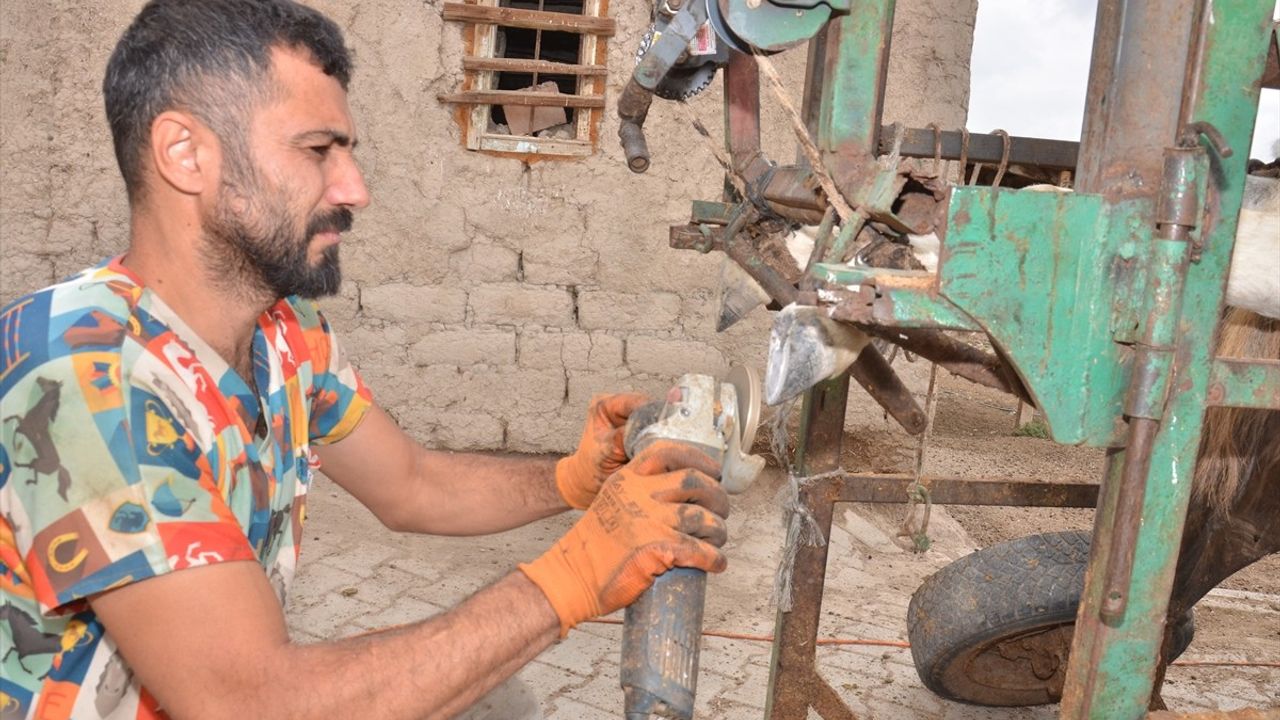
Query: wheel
(994,627)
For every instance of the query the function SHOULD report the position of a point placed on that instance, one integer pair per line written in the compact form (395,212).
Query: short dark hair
(211,58)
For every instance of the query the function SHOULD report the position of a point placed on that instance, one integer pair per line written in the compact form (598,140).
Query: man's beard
(261,250)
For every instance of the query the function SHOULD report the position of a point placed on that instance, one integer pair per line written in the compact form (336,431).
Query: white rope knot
(802,526)
(802,529)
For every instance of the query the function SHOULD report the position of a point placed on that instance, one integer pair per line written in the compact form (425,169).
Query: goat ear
(184,152)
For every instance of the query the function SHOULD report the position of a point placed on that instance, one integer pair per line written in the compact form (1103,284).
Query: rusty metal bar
(983,148)
(795,684)
(1130,115)
(959,491)
(793,677)
(877,377)
(1245,383)
(1271,71)
(826,701)
(742,116)
(1128,515)
(1240,714)
(955,356)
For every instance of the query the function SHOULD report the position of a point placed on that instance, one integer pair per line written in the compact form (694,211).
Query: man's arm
(211,642)
(413,489)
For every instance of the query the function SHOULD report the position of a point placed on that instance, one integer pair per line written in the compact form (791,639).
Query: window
(534,75)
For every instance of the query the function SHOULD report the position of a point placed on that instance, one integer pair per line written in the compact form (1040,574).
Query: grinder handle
(662,630)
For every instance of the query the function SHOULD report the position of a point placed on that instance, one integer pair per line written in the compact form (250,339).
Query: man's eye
(321,150)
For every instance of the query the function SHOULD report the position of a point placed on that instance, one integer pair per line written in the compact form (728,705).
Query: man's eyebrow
(336,137)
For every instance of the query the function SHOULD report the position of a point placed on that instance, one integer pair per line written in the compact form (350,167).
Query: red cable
(902,644)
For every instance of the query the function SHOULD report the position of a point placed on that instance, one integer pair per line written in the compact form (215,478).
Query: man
(163,413)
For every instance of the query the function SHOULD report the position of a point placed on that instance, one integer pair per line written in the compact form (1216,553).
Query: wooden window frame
(478,94)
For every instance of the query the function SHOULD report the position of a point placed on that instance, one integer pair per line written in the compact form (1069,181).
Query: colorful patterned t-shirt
(129,448)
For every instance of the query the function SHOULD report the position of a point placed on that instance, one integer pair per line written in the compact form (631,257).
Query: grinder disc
(746,384)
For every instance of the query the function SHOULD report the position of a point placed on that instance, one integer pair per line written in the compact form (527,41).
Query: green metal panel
(1112,665)
(773,27)
(851,95)
(1245,384)
(1039,273)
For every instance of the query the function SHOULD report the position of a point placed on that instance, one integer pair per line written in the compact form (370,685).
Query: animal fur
(1238,444)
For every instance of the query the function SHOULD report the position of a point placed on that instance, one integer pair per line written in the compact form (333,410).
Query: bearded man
(164,413)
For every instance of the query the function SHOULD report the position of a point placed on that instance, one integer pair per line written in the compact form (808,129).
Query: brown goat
(1234,516)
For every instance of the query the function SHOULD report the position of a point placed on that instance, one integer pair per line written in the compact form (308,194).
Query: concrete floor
(356,575)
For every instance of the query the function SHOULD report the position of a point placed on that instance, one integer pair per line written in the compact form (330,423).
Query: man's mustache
(339,220)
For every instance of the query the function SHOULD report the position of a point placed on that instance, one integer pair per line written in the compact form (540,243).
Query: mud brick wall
(485,299)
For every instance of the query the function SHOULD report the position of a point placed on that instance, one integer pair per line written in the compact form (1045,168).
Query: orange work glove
(660,511)
(599,454)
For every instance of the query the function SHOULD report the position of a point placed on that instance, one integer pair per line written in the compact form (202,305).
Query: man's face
(289,188)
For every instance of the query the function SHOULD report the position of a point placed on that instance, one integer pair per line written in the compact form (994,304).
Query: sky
(1030,66)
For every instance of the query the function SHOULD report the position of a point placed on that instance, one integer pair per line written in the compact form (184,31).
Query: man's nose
(346,185)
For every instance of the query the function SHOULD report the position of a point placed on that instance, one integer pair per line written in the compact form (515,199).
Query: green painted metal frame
(1114,660)
(1105,301)
(1107,321)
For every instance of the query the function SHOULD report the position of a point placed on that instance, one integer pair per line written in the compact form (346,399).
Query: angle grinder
(662,631)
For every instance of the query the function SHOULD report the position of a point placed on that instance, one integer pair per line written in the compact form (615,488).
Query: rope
(807,145)
(913,535)
(718,152)
(802,526)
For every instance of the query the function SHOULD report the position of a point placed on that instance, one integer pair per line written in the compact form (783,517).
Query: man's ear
(183,152)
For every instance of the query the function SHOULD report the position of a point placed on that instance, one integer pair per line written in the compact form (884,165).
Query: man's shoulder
(88,312)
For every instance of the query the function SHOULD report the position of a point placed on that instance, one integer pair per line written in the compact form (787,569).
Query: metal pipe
(982,148)
(633,108)
(877,377)
(1177,212)
(1128,517)
(634,146)
(1131,115)
(955,356)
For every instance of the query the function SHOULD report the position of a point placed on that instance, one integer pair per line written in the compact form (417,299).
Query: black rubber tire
(994,627)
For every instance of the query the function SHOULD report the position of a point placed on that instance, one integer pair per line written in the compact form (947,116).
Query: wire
(901,644)
(1226,663)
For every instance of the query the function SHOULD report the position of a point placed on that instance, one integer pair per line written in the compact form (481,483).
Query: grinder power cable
(663,628)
